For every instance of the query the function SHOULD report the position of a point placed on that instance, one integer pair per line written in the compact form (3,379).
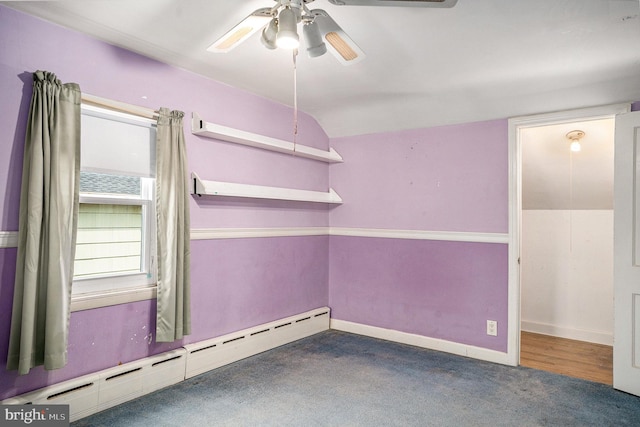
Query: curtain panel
(47,227)
(173,319)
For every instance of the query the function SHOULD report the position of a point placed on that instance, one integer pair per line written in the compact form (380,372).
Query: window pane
(109,240)
(111,145)
(115,246)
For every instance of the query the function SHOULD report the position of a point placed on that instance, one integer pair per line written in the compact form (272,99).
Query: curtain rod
(119,106)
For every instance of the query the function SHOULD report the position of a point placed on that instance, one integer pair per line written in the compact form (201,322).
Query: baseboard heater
(95,392)
(210,354)
(101,390)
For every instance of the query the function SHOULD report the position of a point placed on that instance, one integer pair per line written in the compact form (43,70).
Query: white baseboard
(570,333)
(421,341)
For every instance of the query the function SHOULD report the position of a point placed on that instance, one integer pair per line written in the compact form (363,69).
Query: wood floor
(593,362)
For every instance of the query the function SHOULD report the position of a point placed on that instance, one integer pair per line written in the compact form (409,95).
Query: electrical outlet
(492,328)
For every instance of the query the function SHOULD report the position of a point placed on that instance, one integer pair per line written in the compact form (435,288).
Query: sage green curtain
(173,319)
(47,227)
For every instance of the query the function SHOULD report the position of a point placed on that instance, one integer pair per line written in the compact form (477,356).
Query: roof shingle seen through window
(91,182)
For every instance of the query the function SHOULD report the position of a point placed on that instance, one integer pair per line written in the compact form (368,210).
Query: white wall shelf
(228,189)
(211,130)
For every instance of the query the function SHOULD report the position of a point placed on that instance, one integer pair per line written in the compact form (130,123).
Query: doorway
(566,235)
(561,227)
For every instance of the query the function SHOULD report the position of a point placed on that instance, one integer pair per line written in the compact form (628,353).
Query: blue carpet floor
(339,379)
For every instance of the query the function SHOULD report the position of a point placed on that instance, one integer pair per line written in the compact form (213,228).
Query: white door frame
(515,202)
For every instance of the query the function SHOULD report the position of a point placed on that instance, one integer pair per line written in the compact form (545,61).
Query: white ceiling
(553,177)
(480,60)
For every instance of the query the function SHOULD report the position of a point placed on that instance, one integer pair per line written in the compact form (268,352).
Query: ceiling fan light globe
(313,39)
(269,34)
(268,43)
(287,37)
(287,40)
(316,51)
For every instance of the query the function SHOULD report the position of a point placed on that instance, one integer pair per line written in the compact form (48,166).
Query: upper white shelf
(211,130)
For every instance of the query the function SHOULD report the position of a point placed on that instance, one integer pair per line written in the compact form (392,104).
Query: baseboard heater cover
(101,390)
(95,392)
(214,353)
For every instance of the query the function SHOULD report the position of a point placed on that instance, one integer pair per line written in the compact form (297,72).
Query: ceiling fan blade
(249,25)
(397,3)
(338,42)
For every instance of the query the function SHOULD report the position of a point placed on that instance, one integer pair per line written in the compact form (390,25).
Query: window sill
(105,299)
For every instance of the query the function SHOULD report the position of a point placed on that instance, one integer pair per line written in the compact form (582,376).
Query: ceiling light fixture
(282,19)
(574,136)
(287,37)
(313,39)
(279,30)
(269,34)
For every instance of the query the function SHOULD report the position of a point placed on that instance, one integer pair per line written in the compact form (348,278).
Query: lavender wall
(442,290)
(236,283)
(451,178)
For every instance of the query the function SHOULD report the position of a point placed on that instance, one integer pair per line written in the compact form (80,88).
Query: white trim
(421,341)
(8,239)
(110,104)
(597,337)
(104,299)
(515,188)
(583,114)
(451,236)
(241,233)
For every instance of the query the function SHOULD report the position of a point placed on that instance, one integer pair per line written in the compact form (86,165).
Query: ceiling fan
(279,27)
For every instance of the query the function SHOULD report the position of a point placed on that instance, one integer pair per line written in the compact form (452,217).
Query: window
(115,247)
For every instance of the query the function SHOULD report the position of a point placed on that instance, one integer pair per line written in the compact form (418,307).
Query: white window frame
(98,291)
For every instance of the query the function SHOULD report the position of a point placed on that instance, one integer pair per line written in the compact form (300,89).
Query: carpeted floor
(339,379)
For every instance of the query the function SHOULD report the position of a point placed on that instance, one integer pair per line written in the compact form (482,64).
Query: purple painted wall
(450,178)
(236,283)
(444,290)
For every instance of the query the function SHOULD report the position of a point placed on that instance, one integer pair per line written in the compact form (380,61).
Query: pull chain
(295,100)
(570,201)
